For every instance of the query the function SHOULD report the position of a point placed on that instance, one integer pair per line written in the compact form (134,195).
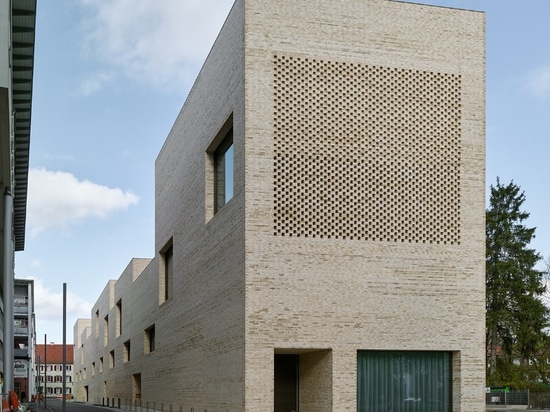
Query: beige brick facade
(356,222)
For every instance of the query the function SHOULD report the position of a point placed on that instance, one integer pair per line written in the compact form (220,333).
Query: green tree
(516,315)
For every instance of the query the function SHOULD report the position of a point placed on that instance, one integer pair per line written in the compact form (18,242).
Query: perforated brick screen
(365,152)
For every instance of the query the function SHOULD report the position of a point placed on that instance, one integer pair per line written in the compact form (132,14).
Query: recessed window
(96,324)
(106,330)
(112,359)
(219,175)
(166,272)
(119,317)
(150,339)
(101,365)
(126,351)
(223,172)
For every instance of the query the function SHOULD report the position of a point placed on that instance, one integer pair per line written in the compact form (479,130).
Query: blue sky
(110,79)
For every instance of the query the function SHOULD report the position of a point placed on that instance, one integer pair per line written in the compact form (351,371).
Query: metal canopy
(23,36)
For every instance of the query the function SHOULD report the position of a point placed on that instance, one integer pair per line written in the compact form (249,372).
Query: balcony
(21,331)
(21,309)
(21,353)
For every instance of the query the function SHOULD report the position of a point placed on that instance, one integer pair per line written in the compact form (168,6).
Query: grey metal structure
(17,40)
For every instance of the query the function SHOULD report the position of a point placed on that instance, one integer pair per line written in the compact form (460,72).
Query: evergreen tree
(516,315)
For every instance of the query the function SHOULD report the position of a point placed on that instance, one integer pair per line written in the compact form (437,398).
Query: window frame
(149,341)
(391,378)
(166,272)
(224,159)
(118,318)
(220,185)
(126,351)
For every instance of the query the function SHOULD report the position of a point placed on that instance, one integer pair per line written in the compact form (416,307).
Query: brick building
(49,369)
(24,334)
(319,222)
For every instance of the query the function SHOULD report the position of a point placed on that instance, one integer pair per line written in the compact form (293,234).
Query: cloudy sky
(110,79)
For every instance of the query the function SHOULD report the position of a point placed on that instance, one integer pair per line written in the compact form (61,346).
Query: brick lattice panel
(366,152)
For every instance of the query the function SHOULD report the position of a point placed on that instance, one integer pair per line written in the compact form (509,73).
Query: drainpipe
(7,297)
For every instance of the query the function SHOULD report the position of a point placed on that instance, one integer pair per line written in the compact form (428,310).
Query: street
(71,406)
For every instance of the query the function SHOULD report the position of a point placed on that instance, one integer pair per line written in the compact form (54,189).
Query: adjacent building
(17,31)
(24,336)
(319,222)
(49,370)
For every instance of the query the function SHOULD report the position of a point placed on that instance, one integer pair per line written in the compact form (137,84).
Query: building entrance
(286,383)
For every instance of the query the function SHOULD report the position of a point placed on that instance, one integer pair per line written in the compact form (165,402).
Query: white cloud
(94,83)
(160,43)
(48,309)
(59,200)
(48,304)
(538,82)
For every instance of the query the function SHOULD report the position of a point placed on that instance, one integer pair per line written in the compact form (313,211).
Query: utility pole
(64,390)
(45,369)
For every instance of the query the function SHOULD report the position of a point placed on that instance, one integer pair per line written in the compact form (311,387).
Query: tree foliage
(516,315)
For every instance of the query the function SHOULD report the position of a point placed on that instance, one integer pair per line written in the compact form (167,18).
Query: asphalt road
(70,406)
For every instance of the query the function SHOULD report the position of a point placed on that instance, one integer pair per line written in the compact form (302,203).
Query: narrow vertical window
(106,330)
(168,272)
(223,171)
(119,317)
(112,359)
(96,324)
(150,339)
(126,351)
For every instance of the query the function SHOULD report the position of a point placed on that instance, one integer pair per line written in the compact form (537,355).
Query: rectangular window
(96,324)
(101,365)
(219,170)
(150,339)
(223,172)
(403,381)
(112,359)
(93,368)
(119,317)
(168,270)
(126,351)
(106,330)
